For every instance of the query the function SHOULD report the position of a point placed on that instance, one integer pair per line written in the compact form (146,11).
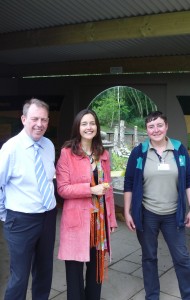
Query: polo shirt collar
(169,145)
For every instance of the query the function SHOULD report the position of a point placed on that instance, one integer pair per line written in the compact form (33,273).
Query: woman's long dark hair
(74,142)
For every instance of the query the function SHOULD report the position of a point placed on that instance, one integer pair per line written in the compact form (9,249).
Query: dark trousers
(77,287)
(175,239)
(30,239)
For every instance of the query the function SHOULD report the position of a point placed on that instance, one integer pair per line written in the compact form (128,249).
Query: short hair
(35,101)
(155,115)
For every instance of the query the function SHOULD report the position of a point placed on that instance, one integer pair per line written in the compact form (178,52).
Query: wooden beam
(168,24)
(128,65)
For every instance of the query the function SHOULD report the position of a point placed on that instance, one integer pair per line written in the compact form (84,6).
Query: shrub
(118,162)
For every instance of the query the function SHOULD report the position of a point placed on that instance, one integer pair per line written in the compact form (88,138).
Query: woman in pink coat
(88,217)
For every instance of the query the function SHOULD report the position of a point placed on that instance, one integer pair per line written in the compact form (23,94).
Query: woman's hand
(129,222)
(99,189)
(187,220)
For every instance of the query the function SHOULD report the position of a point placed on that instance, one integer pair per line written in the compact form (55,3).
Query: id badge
(163,167)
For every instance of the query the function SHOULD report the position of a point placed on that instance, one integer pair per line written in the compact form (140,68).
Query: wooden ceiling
(55,38)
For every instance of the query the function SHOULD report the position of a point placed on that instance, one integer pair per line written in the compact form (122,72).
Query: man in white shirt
(29,224)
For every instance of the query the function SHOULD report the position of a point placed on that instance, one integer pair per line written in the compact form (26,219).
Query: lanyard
(161,159)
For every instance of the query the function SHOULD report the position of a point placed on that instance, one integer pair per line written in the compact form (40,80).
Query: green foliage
(108,108)
(105,109)
(122,103)
(118,162)
(139,122)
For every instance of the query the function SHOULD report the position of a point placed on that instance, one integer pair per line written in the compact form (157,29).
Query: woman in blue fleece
(156,186)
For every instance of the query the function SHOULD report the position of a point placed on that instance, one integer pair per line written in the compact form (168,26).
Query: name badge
(163,167)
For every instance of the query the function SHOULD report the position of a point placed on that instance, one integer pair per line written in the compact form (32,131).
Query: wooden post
(122,133)
(115,139)
(135,137)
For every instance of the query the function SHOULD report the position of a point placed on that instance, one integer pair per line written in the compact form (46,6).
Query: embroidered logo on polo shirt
(139,163)
(182,160)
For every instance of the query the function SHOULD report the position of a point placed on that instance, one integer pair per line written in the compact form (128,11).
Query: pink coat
(73,175)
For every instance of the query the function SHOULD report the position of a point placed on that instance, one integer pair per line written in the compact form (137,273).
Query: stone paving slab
(120,286)
(169,284)
(141,296)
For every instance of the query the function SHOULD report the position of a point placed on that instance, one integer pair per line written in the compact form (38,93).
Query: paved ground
(124,275)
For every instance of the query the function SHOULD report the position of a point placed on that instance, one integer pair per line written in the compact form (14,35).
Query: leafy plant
(118,162)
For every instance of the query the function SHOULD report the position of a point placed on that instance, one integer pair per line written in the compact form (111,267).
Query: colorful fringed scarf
(98,237)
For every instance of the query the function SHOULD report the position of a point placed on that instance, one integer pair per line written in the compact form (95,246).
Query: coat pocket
(72,218)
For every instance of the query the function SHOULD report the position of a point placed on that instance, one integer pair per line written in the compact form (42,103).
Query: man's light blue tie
(43,184)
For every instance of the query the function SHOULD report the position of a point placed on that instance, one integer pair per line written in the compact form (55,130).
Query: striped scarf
(98,237)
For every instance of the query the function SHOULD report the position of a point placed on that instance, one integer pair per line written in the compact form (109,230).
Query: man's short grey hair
(35,101)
